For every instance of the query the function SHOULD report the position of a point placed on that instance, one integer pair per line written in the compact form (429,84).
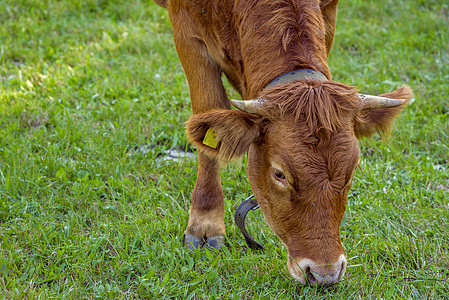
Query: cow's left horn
(370,101)
(251,106)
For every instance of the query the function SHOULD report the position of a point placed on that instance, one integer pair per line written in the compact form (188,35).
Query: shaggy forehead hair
(324,106)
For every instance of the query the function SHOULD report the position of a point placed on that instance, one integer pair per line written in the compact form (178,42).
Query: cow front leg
(206,221)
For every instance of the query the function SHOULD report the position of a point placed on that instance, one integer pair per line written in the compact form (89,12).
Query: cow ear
(223,134)
(380,120)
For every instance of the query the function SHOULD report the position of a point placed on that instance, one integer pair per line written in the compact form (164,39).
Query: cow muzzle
(306,270)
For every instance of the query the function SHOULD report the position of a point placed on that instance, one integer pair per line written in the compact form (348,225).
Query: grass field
(92,93)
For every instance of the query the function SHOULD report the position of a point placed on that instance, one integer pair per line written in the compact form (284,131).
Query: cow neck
(297,75)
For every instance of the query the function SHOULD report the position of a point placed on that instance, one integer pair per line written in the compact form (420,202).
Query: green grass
(84,213)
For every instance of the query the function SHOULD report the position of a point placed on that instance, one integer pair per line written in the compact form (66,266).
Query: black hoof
(193,242)
(215,241)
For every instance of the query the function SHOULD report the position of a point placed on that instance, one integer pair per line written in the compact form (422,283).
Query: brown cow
(300,134)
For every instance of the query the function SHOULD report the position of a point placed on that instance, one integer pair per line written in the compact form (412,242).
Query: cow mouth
(307,271)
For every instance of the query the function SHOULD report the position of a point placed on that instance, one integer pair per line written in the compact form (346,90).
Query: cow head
(302,152)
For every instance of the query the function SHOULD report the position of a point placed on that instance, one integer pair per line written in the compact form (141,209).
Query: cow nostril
(310,276)
(343,265)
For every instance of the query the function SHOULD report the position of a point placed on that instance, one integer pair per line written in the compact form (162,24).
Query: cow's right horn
(251,106)
(370,101)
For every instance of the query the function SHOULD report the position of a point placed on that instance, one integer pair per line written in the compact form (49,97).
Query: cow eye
(279,175)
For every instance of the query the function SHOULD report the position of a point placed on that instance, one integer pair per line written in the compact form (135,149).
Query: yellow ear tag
(210,139)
